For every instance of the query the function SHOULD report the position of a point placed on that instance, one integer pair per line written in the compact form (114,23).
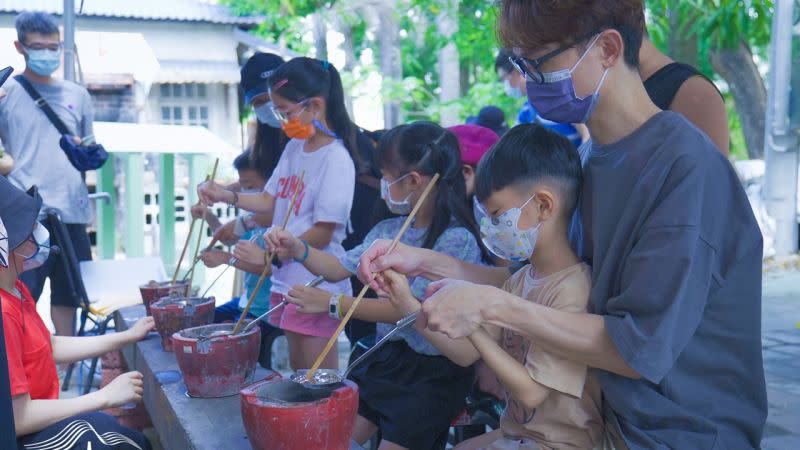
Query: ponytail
(302,78)
(427,148)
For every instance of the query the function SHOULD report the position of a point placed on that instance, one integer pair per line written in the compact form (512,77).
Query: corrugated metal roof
(172,71)
(178,10)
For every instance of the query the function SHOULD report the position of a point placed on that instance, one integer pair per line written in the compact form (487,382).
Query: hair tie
(280,84)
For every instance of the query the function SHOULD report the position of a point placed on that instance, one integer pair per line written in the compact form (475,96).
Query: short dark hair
(244,162)
(502,61)
(529,153)
(34,22)
(530,24)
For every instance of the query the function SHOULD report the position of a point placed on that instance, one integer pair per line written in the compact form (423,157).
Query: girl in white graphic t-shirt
(308,98)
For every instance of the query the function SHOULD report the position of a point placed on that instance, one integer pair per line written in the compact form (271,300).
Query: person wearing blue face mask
(514,85)
(41,418)
(267,140)
(674,329)
(33,141)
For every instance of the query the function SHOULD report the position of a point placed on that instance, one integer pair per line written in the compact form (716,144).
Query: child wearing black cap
(39,415)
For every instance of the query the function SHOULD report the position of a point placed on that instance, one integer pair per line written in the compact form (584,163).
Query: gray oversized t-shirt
(676,272)
(29,137)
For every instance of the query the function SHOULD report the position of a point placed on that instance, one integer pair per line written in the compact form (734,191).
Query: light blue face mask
(266,115)
(43,62)
(41,237)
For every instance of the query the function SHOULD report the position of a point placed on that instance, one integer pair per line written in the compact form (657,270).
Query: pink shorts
(289,319)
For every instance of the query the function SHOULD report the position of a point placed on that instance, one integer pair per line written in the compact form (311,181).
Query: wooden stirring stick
(202,230)
(268,261)
(188,238)
(343,323)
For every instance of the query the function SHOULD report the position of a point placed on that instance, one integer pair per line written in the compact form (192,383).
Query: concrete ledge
(182,422)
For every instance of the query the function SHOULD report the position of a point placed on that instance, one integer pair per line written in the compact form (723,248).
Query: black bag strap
(42,104)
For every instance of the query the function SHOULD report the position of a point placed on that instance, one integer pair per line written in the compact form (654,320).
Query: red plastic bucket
(173,314)
(216,365)
(154,291)
(276,418)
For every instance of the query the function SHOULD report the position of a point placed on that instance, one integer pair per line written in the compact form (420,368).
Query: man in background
(32,141)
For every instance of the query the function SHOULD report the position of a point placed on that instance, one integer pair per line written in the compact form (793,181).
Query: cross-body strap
(42,104)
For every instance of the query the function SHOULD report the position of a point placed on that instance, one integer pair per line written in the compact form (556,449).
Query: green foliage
(738,145)
(714,23)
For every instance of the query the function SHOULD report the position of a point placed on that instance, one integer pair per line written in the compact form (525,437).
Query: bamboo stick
(268,262)
(346,318)
(200,234)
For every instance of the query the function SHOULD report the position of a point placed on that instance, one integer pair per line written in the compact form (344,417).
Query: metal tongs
(401,324)
(333,379)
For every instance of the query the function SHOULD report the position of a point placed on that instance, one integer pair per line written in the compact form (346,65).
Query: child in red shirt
(39,415)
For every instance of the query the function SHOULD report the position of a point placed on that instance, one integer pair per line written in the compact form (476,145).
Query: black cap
(493,118)
(255,73)
(18,211)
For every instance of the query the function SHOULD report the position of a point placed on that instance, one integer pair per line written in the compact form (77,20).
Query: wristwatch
(333,306)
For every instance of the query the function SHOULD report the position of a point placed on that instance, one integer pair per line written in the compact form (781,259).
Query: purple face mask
(555,98)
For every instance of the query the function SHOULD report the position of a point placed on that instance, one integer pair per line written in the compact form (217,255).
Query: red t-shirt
(31,366)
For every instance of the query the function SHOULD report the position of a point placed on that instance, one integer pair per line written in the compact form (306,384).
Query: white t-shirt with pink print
(326,195)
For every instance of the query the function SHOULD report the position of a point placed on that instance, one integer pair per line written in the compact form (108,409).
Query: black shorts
(412,398)
(77,432)
(60,292)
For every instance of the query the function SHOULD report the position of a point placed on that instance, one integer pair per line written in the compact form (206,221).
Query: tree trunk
(349,57)
(682,45)
(449,70)
(391,62)
(737,68)
(320,32)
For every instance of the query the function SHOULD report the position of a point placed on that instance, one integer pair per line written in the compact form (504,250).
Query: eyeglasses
(37,46)
(530,68)
(285,116)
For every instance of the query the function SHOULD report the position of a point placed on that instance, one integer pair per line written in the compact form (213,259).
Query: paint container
(215,363)
(281,414)
(155,291)
(173,314)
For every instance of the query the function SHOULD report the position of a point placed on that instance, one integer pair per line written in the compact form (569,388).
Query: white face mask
(512,91)
(402,207)
(502,236)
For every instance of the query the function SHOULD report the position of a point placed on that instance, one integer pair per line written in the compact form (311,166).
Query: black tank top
(663,85)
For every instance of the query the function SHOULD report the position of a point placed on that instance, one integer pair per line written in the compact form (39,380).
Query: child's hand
(285,244)
(199,211)
(214,258)
(124,389)
(399,291)
(140,329)
(249,252)
(309,300)
(210,193)
(225,234)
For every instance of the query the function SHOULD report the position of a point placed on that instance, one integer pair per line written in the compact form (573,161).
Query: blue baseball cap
(255,74)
